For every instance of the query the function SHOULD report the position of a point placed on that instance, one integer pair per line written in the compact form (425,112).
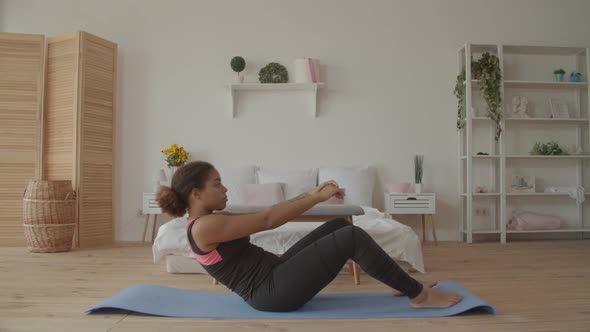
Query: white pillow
(296,182)
(267,194)
(234,179)
(358,182)
(171,239)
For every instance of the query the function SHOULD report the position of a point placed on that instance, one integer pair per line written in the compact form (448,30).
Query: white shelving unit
(499,196)
(312,88)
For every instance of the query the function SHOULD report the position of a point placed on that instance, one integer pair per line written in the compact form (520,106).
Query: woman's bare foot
(434,298)
(395,292)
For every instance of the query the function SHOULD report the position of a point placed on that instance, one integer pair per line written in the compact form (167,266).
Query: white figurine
(519,107)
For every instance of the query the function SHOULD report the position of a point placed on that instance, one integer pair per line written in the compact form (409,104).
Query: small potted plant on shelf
(575,76)
(238,64)
(418,172)
(547,149)
(559,73)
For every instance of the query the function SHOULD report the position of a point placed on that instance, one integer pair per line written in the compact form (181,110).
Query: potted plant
(175,157)
(238,64)
(558,73)
(575,76)
(550,148)
(418,172)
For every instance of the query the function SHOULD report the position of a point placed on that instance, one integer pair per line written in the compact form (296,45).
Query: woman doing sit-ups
(267,282)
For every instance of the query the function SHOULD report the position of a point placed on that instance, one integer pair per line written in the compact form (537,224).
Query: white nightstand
(150,207)
(423,204)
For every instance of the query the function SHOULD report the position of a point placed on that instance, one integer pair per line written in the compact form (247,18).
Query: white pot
(418,188)
(169,173)
(173,170)
(240,78)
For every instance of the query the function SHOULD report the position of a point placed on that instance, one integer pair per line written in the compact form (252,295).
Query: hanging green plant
(460,94)
(487,70)
(273,73)
(490,83)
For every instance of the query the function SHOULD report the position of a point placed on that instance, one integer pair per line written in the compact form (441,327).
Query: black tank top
(237,264)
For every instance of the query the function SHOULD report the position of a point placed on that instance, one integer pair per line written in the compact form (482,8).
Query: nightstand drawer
(150,205)
(410,204)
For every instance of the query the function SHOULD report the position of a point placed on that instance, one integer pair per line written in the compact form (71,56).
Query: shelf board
(543,50)
(522,194)
(548,157)
(481,157)
(540,84)
(276,86)
(541,194)
(536,194)
(311,87)
(482,194)
(570,230)
(528,157)
(546,120)
(545,84)
(482,231)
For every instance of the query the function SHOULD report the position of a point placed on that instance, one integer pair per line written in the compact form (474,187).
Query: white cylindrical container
(306,70)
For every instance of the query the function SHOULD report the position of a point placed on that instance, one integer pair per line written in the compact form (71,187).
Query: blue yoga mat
(174,302)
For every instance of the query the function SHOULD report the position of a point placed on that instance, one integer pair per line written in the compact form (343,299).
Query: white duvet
(398,240)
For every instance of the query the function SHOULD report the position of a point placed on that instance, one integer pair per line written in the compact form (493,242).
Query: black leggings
(315,260)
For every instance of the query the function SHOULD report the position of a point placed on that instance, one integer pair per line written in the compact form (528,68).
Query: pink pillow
(262,194)
(523,220)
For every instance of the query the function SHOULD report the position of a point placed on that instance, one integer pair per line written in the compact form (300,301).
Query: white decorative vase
(418,188)
(168,174)
(240,78)
(173,170)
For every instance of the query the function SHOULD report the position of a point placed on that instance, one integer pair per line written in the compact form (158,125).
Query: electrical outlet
(481,212)
(140,212)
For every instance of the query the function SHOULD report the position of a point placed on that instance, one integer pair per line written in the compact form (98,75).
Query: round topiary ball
(273,73)
(238,64)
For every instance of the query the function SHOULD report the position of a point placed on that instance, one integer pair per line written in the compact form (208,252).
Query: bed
(398,240)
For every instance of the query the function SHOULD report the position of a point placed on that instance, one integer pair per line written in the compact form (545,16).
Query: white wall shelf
(525,70)
(312,88)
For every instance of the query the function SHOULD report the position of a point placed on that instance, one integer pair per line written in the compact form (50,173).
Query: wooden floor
(536,286)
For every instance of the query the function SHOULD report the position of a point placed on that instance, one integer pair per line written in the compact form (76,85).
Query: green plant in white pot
(238,64)
(418,172)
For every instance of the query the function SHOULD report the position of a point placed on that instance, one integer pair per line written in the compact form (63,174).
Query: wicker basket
(49,215)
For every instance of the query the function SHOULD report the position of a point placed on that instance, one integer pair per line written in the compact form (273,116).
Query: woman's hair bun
(170,202)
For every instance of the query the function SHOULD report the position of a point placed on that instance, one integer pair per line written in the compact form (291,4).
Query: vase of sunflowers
(175,157)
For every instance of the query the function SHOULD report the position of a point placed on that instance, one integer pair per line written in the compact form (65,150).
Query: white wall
(389,66)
